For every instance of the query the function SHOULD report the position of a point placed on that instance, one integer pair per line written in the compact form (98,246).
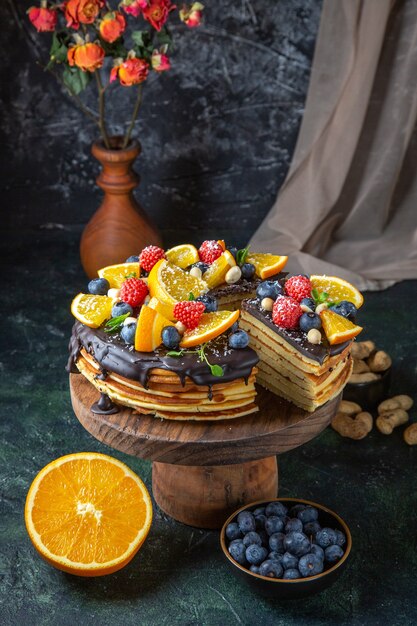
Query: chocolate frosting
(244,286)
(114,355)
(295,337)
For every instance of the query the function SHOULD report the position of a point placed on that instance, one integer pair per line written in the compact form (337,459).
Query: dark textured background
(217,131)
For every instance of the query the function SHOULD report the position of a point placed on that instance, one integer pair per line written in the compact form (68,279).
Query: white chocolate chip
(114,294)
(314,336)
(321,307)
(180,327)
(267,304)
(130,320)
(305,308)
(196,272)
(233,275)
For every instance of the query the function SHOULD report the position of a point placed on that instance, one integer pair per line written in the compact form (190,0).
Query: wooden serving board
(202,471)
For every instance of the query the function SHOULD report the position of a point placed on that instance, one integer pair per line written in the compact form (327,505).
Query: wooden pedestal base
(204,496)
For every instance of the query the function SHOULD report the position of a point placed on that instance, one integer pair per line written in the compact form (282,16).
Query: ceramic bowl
(288,589)
(369,395)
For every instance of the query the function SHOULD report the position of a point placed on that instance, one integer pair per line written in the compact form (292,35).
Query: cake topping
(189,313)
(91,310)
(134,291)
(286,312)
(216,274)
(117,274)
(298,287)
(239,340)
(98,286)
(210,250)
(150,256)
(183,256)
(338,328)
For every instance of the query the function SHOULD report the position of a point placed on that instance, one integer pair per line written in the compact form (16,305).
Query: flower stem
(101,110)
(134,116)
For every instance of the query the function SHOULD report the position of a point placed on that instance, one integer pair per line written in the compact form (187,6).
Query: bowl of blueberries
(286,548)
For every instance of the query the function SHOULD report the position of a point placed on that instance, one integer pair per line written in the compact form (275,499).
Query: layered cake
(163,334)
(302,330)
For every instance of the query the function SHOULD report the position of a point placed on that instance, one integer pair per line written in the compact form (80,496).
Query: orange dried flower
(82,12)
(130,72)
(88,56)
(156,13)
(43,19)
(112,26)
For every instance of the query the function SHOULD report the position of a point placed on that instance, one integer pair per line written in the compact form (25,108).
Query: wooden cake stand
(203,471)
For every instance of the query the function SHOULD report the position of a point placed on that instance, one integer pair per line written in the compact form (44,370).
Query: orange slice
(222,243)
(163,309)
(183,256)
(91,310)
(117,274)
(211,326)
(266,264)
(338,328)
(88,514)
(216,273)
(337,288)
(149,329)
(170,284)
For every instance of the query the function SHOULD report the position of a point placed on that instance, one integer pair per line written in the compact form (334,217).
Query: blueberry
(234,327)
(291,574)
(209,302)
(232,531)
(256,554)
(98,286)
(309,514)
(238,552)
(315,549)
(246,521)
(269,289)
(275,556)
(309,302)
(310,565)
(201,266)
(276,508)
(132,259)
(340,538)
(297,543)
(233,251)
(326,537)
(170,337)
(311,528)
(294,525)
(294,510)
(345,308)
(277,542)
(252,537)
(308,321)
(239,339)
(121,308)
(289,561)
(254,569)
(274,524)
(128,333)
(260,510)
(260,521)
(236,541)
(248,270)
(271,568)
(332,554)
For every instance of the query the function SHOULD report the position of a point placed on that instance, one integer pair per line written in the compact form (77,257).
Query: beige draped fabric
(349,203)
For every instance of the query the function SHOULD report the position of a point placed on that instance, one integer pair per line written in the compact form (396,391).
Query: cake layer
(170,399)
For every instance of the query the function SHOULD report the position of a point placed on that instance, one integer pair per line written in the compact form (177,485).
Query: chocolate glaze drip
(114,355)
(295,337)
(104,406)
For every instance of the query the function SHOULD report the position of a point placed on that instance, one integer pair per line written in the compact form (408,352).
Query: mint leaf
(241,255)
(175,353)
(131,275)
(115,323)
(315,293)
(75,79)
(191,297)
(216,370)
(323,296)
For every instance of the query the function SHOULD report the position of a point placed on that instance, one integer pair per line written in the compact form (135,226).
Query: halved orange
(337,288)
(170,284)
(149,329)
(91,310)
(88,514)
(182,256)
(222,243)
(211,325)
(117,274)
(338,328)
(215,275)
(266,264)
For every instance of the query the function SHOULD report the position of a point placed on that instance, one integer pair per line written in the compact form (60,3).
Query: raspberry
(149,256)
(298,287)
(286,312)
(209,251)
(189,313)
(133,291)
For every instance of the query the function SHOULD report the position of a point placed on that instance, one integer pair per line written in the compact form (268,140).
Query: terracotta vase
(120,227)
